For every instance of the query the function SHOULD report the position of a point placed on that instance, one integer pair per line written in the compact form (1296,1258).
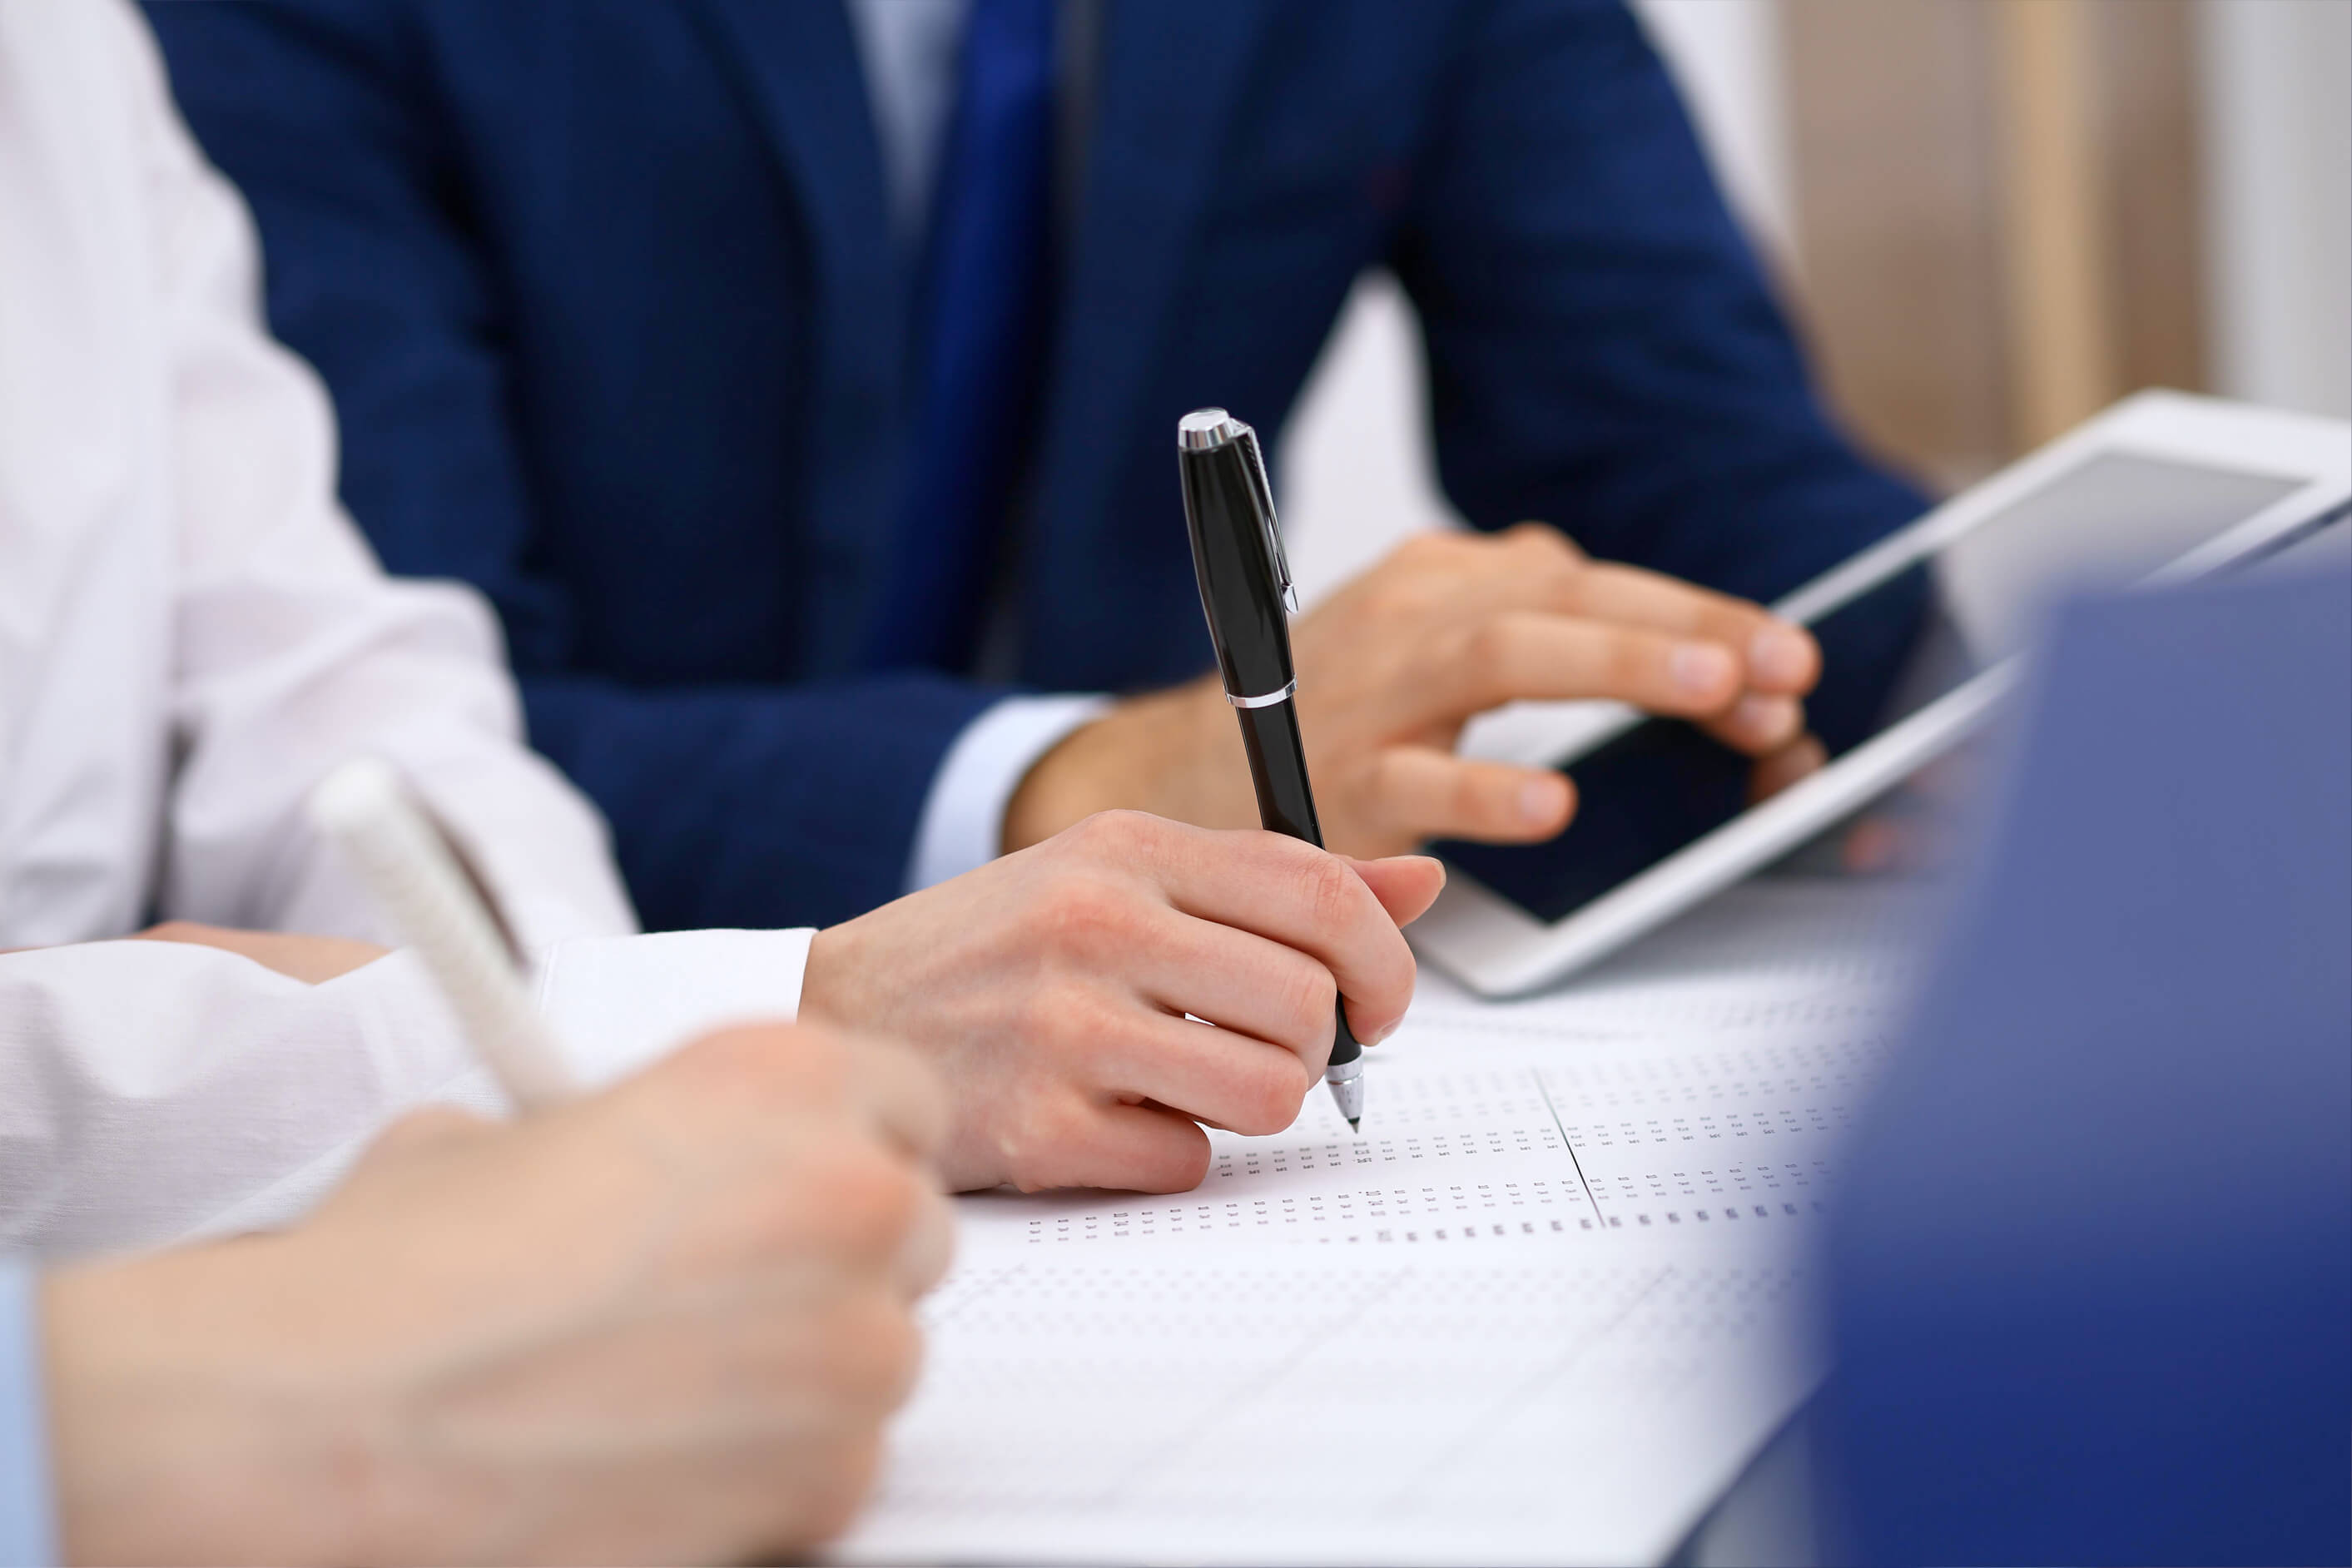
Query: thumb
(1406,885)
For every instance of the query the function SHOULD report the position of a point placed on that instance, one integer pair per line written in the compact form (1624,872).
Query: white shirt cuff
(617,1003)
(963,826)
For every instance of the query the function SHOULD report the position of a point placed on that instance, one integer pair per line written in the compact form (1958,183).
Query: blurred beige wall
(1990,218)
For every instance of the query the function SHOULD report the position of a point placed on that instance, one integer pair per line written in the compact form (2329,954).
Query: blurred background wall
(1990,218)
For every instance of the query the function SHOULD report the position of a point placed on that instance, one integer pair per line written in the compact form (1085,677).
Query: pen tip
(1355,1124)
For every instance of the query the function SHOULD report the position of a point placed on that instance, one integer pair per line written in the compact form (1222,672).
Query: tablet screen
(1663,785)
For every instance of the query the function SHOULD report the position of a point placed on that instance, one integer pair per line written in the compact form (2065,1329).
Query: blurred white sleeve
(154,1090)
(294,652)
(149,1090)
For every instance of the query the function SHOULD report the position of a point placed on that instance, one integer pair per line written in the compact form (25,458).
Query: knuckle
(1393,781)
(1082,916)
(1269,1096)
(1425,549)
(870,1198)
(1573,583)
(1494,646)
(1059,1123)
(1308,995)
(1543,542)
(1175,1161)
(1475,800)
(1636,664)
(1045,1141)
(772,1062)
(1118,833)
(1082,1025)
(1333,892)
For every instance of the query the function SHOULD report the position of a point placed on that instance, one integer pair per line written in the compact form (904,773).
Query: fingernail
(1540,801)
(1780,655)
(1700,667)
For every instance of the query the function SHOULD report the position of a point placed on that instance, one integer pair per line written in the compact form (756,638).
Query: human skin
(1051,990)
(664,1323)
(312,959)
(1400,659)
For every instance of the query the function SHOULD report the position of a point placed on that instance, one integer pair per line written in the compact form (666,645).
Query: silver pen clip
(1266,519)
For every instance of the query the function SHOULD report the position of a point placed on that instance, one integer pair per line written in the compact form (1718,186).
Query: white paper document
(1538,1402)
(1700,1084)
(1541,1308)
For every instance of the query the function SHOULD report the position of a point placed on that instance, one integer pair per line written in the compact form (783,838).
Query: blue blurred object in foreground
(2092,1286)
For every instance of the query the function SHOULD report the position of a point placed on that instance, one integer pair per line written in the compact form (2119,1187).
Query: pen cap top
(1206,428)
(1214,430)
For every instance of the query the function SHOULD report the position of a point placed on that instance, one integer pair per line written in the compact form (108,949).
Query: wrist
(1158,753)
(826,984)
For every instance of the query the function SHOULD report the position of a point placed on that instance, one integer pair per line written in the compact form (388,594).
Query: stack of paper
(1542,1308)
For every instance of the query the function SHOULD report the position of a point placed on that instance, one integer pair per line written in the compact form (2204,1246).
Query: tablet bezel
(1498,948)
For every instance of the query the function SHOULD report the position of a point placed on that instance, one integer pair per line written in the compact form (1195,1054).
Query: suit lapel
(1163,86)
(798,62)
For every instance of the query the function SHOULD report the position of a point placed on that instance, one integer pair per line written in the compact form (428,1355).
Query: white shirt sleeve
(150,1091)
(616,1002)
(293,650)
(962,825)
(153,1090)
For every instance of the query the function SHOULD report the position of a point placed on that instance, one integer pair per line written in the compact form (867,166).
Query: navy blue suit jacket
(609,302)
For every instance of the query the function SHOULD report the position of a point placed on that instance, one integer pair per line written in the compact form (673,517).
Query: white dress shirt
(191,634)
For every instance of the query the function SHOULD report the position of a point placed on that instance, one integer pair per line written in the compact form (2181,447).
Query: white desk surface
(1543,1308)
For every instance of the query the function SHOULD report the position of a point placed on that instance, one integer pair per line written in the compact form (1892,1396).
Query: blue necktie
(983,312)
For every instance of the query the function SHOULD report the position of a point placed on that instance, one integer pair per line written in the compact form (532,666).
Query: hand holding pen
(1050,988)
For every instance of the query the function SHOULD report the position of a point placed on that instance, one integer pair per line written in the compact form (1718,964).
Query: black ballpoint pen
(1244,591)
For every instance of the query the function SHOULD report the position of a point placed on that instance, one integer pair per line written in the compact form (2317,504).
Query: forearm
(632,1327)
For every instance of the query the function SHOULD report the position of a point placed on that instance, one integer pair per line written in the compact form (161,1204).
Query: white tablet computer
(2162,487)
